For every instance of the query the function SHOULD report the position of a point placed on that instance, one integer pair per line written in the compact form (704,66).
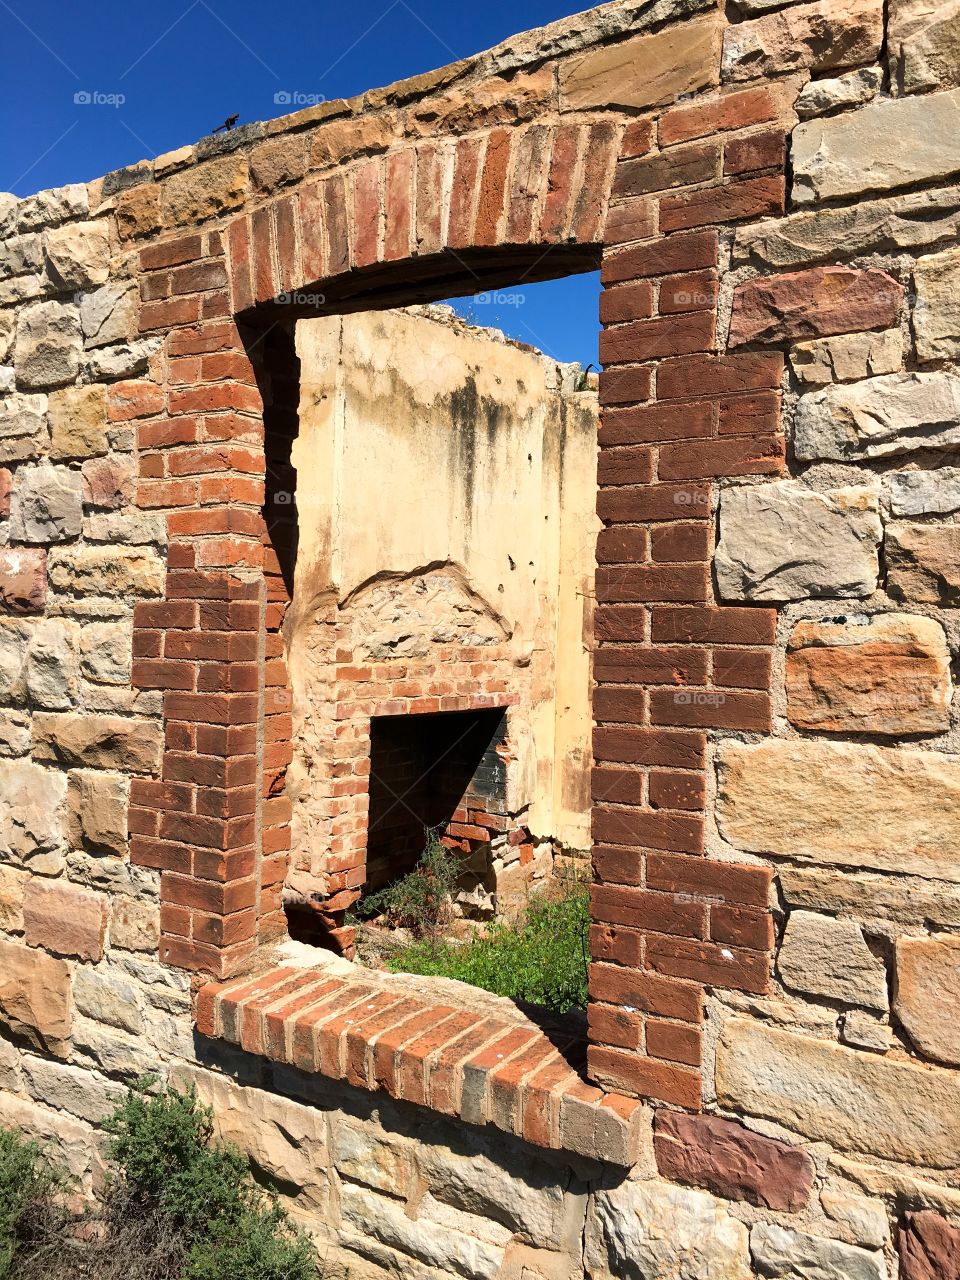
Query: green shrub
(28,1182)
(420,899)
(542,959)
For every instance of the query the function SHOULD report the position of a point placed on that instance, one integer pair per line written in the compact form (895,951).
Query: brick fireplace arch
(418,222)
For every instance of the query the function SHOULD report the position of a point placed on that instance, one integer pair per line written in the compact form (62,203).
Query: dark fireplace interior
(423,770)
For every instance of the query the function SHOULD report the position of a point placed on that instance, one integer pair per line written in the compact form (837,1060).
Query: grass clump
(176,1206)
(541,959)
(420,900)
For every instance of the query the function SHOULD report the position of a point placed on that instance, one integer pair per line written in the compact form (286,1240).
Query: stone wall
(773,194)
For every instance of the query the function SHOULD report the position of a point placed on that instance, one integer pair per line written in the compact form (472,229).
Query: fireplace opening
(444,773)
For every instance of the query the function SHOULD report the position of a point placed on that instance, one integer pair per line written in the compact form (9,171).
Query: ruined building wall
(771,1075)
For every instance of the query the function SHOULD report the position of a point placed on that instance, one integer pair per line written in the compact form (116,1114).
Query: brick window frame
(678,414)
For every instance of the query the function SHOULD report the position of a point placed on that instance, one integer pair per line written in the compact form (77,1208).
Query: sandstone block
(98,807)
(82,1093)
(138,211)
(865,1220)
(783,541)
(123,360)
(936,314)
(65,919)
(916,220)
(106,652)
(138,528)
(78,422)
(821,36)
(106,996)
(47,348)
(817,97)
(929,1247)
(925,493)
(35,1000)
(894,414)
(73,1141)
(132,743)
(732,1161)
(21,255)
(109,315)
(645,70)
(855,1101)
(50,669)
(843,804)
(664,1231)
(109,482)
(50,208)
(778,1252)
(23,579)
(923,44)
(10,1077)
(923,562)
(204,191)
(118,572)
(847,358)
(46,504)
(23,428)
(7,331)
(12,884)
(889,674)
(134,924)
(814,303)
(877,896)
(823,956)
(864,1030)
(32,816)
(78,254)
(850,154)
(14,733)
(927,995)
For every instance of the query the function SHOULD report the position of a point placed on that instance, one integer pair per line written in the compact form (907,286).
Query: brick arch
(407,225)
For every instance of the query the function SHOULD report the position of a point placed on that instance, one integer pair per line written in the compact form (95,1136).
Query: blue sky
(91,87)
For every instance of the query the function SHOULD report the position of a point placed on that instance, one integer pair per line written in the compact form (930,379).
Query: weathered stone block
(23,428)
(72,1141)
(125,360)
(98,742)
(23,579)
(854,1101)
(134,924)
(823,956)
(106,996)
(664,1231)
(98,806)
(32,816)
(14,731)
(817,97)
(79,1092)
(78,254)
(645,70)
(50,208)
(814,303)
(895,414)
(843,804)
(821,36)
(923,44)
(204,191)
(929,1247)
(109,482)
(20,256)
(923,562)
(936,313)
(109,571)
(850,154)
(106,652)
(35,999)
(78,422)
(887,674)
(927,994)
(925,493)
(783,541)
(109,315)
(730,1160)
(65,919)
(46,504)
(50,669)
(865,1030)
(47,349)
(12,885)
(847,358)
(778,1252)
(7,330)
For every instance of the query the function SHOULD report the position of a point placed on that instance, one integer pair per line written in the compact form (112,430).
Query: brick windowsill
(486,1064)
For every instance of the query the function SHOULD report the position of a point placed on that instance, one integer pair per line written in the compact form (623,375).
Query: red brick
(681,541)
(398,205)
(620,946)
(630,504)
(657,338)
(623,706)
(622,544)
(691,291)
(431,162)
(608,1024)
(676,790)
(626,302)
(631,464)
(713,882)
(463,194)
(645,1077)
(732,202)
(669,254)
(711,709)
(672,832)
(655,422)
(366,212)
(736,110)
(169,314)
(755,151)
(593,188)
(757,413)
(171,253)
(645,664)
(336,223)
(729,624)
(621,622)
(681,167)
(668,747)
(750,456)
(625,385)
(686,582)
(673,1041)
(640,909)
(556,205)
(743,668)
(638,138)
(742,927)
(129,400)
(698,376)
(629,220)
(708,962)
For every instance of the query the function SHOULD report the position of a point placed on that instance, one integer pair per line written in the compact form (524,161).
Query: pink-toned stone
(65,919)
(927,997)
(23,579)
(731,1161)
(35,997)
(813,304)
(5,485)
(109,482)
(929,1247)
